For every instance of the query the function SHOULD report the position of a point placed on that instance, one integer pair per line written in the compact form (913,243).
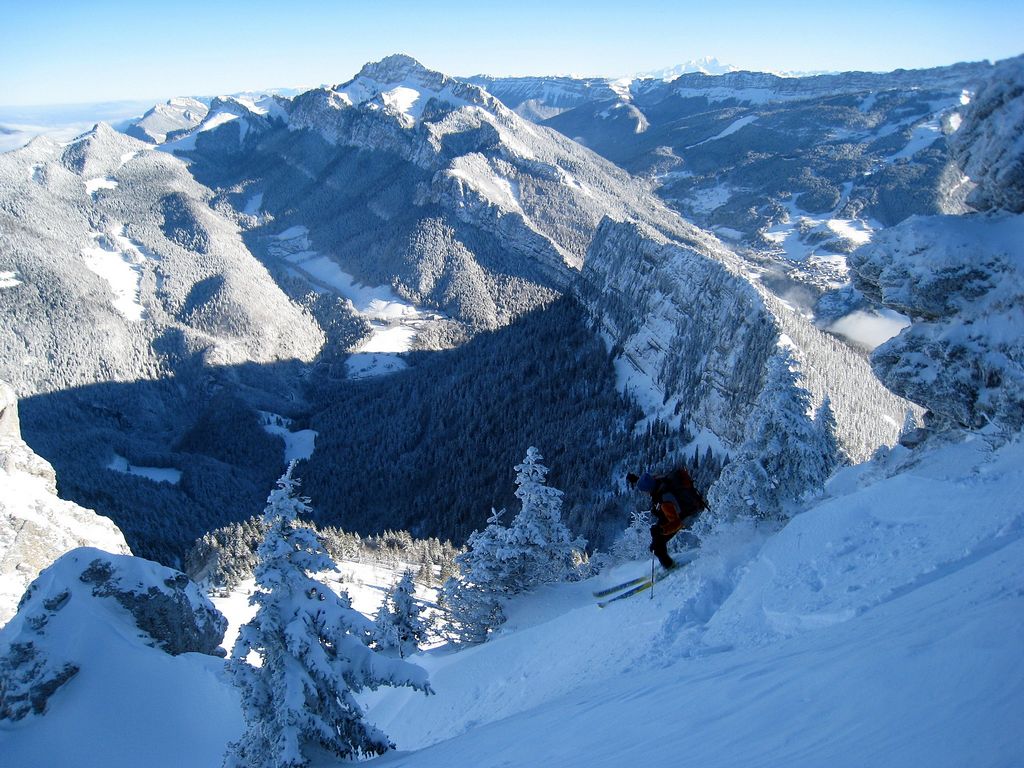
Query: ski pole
(652,577)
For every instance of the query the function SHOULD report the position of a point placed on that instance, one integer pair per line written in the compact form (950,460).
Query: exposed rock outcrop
(36,527)
(64,614)
(990,143)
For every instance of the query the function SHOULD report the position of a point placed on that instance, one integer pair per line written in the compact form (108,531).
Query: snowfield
(880,627)
(394,322)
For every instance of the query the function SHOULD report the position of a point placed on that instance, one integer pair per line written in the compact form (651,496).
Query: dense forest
(544,381)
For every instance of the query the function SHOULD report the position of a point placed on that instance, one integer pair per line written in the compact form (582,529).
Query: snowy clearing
(708,199)
(477,174)
(743,122)
(298,444)
(93,186)
(9,279)
(923,136)
(394,322)
(802,237)
(118,261)
(160,474)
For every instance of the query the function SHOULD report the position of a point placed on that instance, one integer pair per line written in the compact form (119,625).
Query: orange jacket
(670,518)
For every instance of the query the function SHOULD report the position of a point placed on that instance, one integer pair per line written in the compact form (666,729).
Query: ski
(647,584)
(681,560)
(620,587)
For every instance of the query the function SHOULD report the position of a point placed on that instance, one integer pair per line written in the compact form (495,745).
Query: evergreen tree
(538,548)
(312,651)
(398,623)
(472,598)
(482,563)
(833,454)
(472,612)
(633,543)
(782,459)
(910,422)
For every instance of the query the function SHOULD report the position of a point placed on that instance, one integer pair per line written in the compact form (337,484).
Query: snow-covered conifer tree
(312,651)
(832,451)
(782,458)
(399,624)
(633,542)
(472,599)
(538,548)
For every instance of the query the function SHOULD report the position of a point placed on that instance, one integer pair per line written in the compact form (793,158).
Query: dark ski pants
(659,546)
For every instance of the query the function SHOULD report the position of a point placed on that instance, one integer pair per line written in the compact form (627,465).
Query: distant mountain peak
(395,68)
(399,84)
(706,65)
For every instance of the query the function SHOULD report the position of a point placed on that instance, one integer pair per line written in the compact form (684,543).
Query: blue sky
(93,50)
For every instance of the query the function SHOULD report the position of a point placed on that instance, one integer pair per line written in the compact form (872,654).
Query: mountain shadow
(429,449)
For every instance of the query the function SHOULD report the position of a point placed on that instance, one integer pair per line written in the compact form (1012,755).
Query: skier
(676,505)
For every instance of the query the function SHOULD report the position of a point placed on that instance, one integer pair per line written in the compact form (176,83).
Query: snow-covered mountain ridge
(110,241)
(795,172)
(492,172)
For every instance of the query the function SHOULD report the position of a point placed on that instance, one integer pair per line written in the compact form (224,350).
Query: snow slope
(136,699)
(880,627)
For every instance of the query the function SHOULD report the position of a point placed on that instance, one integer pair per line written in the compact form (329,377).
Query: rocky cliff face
(693,338)
(36,527)
(538,98)
(990,143)
(961,278)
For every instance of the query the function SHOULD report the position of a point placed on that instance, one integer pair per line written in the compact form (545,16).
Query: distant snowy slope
(796,171)
(114,245)
(177,114)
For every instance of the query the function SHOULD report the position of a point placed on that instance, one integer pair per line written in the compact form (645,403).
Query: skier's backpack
(680,484)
